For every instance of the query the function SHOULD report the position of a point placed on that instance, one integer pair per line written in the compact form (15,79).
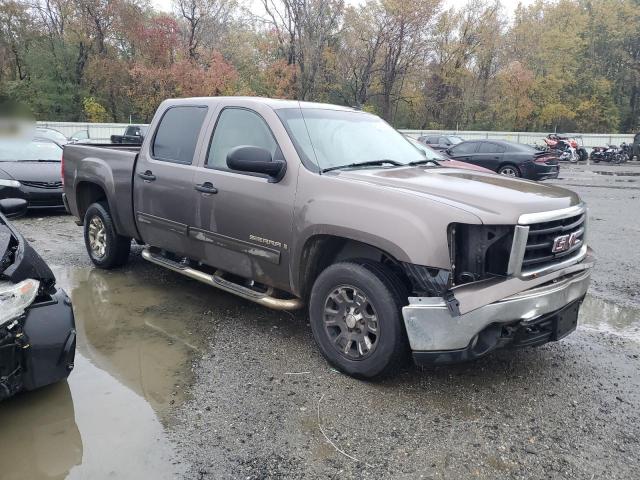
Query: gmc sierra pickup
(287,203)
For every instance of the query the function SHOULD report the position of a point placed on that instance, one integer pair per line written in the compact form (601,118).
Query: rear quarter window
(177,134)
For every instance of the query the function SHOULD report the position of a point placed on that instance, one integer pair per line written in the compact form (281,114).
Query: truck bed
(109,166)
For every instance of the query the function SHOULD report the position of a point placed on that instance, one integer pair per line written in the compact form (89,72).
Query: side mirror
(256,160)
(13,207)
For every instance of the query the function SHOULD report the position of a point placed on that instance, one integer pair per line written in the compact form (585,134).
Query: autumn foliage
(545,65)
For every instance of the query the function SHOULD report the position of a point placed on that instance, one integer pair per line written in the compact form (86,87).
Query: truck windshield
(337,138)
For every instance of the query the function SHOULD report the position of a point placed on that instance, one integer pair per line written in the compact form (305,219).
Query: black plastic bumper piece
(51,334)
(548,328)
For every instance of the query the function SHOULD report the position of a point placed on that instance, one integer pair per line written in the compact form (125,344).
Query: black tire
(582,153)
(509,166)
(386,294)
(116,247)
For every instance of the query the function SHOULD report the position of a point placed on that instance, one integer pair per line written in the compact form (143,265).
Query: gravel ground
(264,403)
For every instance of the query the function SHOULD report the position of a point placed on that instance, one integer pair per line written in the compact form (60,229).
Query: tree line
(571,65)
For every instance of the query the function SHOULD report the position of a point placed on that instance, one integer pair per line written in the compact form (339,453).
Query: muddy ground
(177,380)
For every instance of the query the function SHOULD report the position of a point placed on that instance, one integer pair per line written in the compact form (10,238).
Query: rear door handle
(147,176)
(206,187)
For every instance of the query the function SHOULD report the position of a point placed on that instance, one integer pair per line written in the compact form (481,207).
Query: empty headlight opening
(479,252)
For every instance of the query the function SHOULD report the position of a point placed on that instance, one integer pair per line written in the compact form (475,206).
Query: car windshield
(336,138)
(24,151)
(455,140)
(52,134)
(521,147)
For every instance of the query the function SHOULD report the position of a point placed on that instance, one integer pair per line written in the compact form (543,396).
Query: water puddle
(136,345)
(608,316)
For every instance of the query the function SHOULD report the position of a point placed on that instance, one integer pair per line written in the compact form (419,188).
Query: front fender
(409,227)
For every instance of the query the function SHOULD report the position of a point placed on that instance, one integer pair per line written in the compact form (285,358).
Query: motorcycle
(566,148)
(611,154)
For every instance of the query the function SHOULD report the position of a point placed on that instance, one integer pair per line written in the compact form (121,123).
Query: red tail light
(544,159)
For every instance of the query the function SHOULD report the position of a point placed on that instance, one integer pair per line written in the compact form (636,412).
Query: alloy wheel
(508,171)
(351,322)
(97,237)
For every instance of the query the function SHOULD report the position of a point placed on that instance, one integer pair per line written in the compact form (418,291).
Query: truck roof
(274,103)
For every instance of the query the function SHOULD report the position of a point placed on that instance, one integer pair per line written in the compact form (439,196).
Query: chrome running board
(265,299)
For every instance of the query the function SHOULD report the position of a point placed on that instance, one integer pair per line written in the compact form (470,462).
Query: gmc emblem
(564,242)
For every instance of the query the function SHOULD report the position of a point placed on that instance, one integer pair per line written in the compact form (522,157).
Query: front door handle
(206,187)
(147,176)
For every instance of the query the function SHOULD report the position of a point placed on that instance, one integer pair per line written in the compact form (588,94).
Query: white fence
(588,140)
(96,131)
(103,132)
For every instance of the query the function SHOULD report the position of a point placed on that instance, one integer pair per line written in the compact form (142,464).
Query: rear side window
(432,140)
(488,147)
(177,135)
(464,148)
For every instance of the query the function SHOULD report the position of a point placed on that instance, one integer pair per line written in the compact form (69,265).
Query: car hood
(494,199)
(31,171)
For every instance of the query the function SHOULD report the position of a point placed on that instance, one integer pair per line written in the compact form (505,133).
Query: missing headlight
(479,251)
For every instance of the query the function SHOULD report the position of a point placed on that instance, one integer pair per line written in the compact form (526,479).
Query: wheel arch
(322,250)
(87,193)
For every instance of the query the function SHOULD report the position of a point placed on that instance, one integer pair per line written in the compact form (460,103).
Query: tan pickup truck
(287,204)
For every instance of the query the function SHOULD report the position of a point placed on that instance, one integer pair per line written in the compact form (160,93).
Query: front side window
(464,148)
(177,135)
(238,127)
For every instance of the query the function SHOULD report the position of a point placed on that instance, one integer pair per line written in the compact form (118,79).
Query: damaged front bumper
(38,348)
(545,311)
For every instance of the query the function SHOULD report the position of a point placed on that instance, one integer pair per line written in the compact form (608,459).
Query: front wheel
(105,247)
(356,320)
(509,171)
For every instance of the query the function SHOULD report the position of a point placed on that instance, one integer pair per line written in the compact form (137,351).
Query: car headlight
(15,298)
(9,183)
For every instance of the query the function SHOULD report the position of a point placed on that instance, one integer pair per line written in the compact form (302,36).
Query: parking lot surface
(176,379)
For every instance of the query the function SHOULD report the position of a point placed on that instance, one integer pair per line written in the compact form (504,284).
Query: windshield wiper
(372,163)
(424,162)
(46,160)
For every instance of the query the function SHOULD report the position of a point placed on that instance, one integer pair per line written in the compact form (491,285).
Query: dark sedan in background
(440,142)
(507,158)
(30,169)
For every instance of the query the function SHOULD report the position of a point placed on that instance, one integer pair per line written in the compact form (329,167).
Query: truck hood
(494,199)
(31,171)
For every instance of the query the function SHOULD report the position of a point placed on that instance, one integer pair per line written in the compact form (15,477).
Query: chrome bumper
(430,326)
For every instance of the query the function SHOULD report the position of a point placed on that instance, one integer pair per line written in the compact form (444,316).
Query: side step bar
(216,280)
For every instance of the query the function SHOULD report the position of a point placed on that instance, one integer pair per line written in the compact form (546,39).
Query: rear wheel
(355,313)
(583,155)
(509,171)
(105,247)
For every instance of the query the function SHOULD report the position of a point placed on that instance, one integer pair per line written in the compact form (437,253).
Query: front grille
(538,252)
(47,202)
(46,185)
